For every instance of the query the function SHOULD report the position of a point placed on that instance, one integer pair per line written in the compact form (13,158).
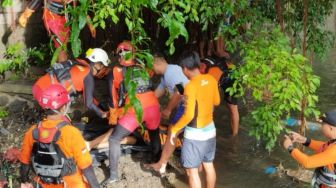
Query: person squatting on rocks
(325,158)
(199,143)
(77,76)
(221,69)
(54,148)
(172,81)
(127,123)
(54,18)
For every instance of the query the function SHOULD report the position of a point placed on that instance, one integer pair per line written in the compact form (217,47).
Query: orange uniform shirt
(325,155)
(201,95)
(72,145)
(78,74)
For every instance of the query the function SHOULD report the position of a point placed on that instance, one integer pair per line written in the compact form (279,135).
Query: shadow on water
(241,161)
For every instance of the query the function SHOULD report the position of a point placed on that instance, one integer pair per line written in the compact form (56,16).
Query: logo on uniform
(44,134)
(204,82)
(80,68)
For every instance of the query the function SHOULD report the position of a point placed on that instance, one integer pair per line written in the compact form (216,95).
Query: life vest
(322,176)
(142,85)
(63,73)
(48,160)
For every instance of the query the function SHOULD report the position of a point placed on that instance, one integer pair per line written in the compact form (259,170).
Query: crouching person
(127,123)
(53,148)
(325,158)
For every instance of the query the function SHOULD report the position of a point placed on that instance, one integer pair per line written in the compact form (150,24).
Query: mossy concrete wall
(32,35)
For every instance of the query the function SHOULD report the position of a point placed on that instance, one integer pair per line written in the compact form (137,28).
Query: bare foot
(157,167)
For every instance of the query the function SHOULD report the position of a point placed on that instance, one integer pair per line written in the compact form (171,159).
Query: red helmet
(122,48)
(53,97)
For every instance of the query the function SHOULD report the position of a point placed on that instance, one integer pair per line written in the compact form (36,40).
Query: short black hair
(159,55)
(190,60)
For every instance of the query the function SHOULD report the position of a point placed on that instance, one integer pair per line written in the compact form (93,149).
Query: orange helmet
(124,48)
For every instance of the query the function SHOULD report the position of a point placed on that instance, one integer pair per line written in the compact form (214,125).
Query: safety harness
(322,176)
(48,160)
(55,7)
(62,73)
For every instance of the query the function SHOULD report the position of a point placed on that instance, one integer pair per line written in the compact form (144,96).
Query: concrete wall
(331,21)
(32,35)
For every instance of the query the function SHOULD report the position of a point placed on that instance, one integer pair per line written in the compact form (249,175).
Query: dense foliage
(18,59)
(278,80)
(273,64)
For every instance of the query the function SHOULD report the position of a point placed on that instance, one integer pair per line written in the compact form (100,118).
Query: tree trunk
(279,15)
(305,19)
(304,49)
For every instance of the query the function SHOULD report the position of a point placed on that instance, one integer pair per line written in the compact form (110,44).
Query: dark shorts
(229,99)
(195,152)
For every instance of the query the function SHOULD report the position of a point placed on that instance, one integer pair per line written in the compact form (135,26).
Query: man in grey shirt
(171,82)
(172,76)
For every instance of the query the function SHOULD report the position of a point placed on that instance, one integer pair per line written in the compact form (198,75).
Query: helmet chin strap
(67,108)
(65,113)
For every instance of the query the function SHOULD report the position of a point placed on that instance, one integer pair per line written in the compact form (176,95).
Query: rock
(18,87)
(4,100)
(4,131)
(8,74)
(301,175)
(17,106)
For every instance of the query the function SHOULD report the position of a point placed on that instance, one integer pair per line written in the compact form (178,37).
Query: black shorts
(229,99)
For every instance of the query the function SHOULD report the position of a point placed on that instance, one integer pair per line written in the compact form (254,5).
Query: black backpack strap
(35,131)
(59,127)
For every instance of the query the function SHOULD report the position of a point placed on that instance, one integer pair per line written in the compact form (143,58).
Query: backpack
(48,160)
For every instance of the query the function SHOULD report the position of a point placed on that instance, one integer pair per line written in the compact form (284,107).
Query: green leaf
(82,21)
(7,3)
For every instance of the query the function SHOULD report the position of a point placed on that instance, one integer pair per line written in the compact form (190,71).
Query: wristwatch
(290,148)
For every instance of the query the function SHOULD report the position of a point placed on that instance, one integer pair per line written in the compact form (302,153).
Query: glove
(24,17)
(114,114)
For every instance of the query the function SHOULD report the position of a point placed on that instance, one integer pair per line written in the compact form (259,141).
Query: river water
(241,162)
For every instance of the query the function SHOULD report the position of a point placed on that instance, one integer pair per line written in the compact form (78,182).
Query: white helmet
(97,55)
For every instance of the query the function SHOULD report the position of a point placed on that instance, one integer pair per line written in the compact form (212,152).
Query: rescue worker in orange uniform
(127,123)
(77,76)
(221,69)
(54,19)
(324,160)
(53,148)
(199,144)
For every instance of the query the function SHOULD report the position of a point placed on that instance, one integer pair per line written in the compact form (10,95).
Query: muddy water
(241,162)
